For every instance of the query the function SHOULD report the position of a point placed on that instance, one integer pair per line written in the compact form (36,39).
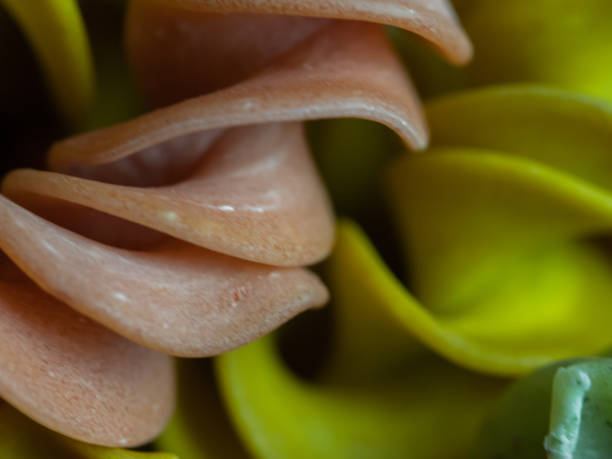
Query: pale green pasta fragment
(563,411)
(24,439)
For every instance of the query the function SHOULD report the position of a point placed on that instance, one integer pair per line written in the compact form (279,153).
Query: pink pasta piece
(347,69)
(254,195)
(434,20)
(177,298)
(75,376)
